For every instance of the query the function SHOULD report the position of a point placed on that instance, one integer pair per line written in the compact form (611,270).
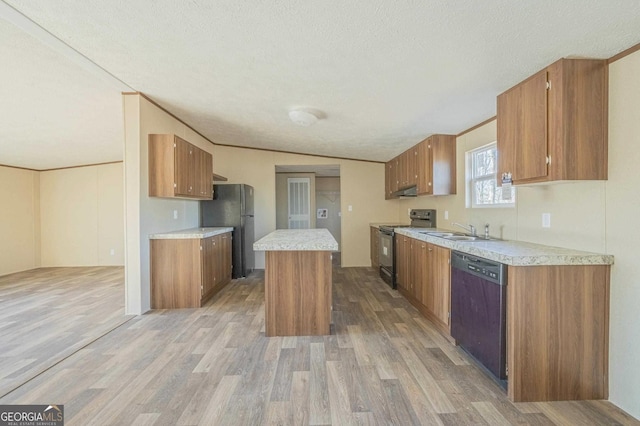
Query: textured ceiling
(54,113)
(386,74)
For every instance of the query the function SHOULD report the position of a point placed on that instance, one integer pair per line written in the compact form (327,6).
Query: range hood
(412,191)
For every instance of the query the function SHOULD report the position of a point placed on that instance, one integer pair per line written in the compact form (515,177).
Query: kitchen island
(297,281)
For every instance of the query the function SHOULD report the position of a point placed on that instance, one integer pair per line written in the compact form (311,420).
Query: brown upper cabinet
(437,165)
(430,166)
(178,169)
(553,125)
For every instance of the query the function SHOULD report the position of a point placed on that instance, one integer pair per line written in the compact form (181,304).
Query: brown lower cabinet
(375,247)
(424,278)
(185,273)
(557,320)
(558,332)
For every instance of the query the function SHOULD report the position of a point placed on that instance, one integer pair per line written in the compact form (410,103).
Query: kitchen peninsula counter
(191,233)
(297,281)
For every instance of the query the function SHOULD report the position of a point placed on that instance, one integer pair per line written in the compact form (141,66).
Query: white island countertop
(297,240)
(514,253)
(192,233)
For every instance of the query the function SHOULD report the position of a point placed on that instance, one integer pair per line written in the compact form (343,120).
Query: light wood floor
(383,364)
(47,314)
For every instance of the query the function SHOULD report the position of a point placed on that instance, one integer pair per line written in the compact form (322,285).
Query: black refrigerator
(232,205)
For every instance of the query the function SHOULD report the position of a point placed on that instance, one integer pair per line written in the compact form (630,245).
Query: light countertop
(297,240)
(191,233)
(377,225)
(515,253)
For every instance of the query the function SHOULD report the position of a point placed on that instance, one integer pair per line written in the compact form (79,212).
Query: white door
(299,203)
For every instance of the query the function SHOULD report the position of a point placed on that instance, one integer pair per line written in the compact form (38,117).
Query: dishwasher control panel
(478,266)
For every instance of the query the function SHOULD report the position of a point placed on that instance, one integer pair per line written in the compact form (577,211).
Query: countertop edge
(191,233)
(318,239)
(497,252)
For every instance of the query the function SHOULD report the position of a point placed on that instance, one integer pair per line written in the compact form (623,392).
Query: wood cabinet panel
(424,278)
(297,293)
(375,247)
(553,126)
(531,142)
(440,283)
(420,266)
(178,169)
(557,332)
(209,264)
(403,260)
(176,274)
(578,132)
(185,273)
(226,258)
(436,165)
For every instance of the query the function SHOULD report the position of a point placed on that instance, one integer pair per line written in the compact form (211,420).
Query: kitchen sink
(456,236)
(463,238)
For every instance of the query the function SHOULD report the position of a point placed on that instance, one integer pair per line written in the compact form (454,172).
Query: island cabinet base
(557,332)
(297,293)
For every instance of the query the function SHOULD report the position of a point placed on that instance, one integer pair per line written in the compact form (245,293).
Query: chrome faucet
(471,229)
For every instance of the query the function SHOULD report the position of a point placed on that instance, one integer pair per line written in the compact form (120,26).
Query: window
(482,166)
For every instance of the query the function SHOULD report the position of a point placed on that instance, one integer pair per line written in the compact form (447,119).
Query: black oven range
(420,218)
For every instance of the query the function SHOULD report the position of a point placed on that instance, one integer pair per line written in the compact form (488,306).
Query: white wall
(82,216)
(19,220)
(622,233)
(598,216)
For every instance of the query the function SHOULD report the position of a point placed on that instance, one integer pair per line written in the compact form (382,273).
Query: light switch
(350,208)
(546,220)
(112,252)
(175,214)
(446,215)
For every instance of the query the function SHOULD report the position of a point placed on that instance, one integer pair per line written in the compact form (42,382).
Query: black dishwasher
(478,308)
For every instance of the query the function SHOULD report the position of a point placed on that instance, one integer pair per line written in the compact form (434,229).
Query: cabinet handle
(430,249)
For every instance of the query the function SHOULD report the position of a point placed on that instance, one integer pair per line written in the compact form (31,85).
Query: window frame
(472,179)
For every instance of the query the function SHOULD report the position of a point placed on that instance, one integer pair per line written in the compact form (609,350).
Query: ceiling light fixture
(303,117)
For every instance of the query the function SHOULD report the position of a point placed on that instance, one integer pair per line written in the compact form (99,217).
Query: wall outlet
(112,252)
(350,208)
(446,215)
(546,220)
(175,214)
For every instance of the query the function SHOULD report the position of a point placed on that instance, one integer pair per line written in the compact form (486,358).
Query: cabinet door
(424,184)
(395,183)
(420,268)
(388,179)
(439,282)
(402,261)
(208,260)
(508,128)
(531,148)
(203,173)
(442,161)
(225,258)
(522,130)
(374,247)
(184,170)
(412,166)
